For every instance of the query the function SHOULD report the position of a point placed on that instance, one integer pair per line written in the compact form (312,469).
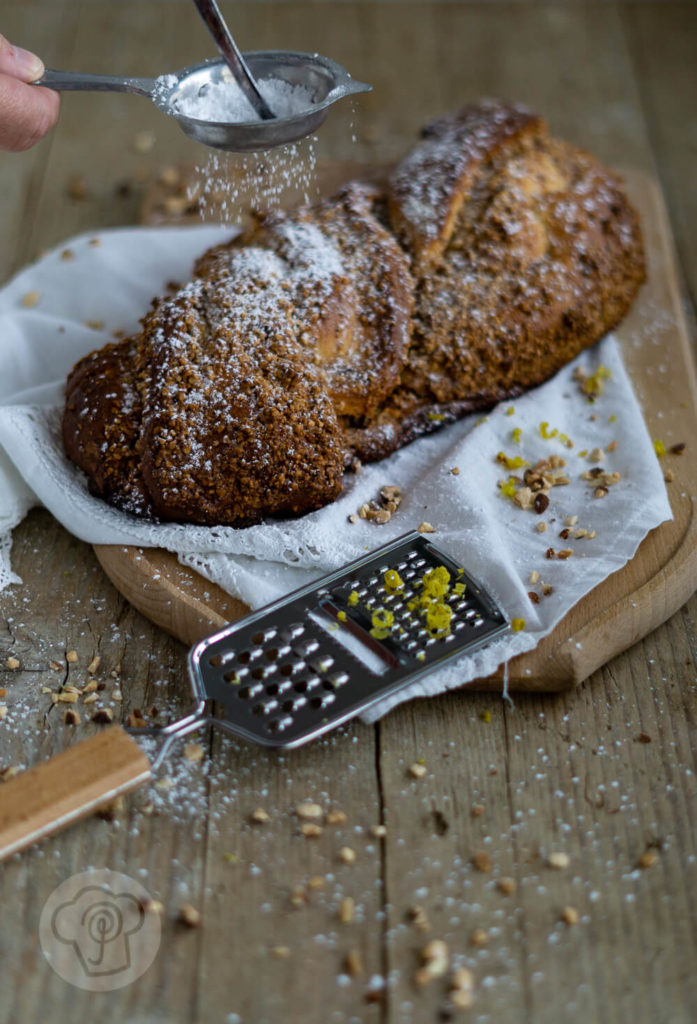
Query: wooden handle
(68,787)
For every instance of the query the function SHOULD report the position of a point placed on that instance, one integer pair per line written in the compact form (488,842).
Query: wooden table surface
(604,774)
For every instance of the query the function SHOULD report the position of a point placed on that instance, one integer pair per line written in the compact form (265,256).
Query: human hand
(27,112)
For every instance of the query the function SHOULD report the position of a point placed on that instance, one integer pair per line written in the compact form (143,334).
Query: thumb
(19,63)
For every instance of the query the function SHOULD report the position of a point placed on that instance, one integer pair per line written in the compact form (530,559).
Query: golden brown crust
(429,186)
(351,327)
(543,258)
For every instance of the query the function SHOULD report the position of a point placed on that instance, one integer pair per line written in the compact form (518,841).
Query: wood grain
(626,606)
(68,787)
(602,772)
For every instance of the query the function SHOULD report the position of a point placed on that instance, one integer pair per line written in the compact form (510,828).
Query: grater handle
(68,787)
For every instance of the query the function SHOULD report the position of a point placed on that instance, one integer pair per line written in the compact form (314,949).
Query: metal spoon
(209,11)
(325,80)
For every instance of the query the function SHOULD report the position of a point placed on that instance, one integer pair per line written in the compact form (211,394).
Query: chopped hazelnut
(570,915)
(353,963)
(418,770)
(541,503)
(189,916)
(308,810)
(103,717)
(280,952)
(311,831)
(346,910)
(259,816)
(482,861)
(347,855)
(12,664)
(558,860)
(506,885)
(77,188)
(417,916)
(436,958)
(425,528)
(152,906)
(336,818)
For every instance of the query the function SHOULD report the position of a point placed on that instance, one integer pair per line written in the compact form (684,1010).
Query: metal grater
(288,673)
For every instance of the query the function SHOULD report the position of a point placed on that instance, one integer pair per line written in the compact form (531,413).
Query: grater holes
(264,707)
(322,701)
(263,671)
(293,704)
(250,691)
(335,680)
(263,636)
(322,664)
(292,632)
(291,668)
(280,724)
(250,654)
(305,685)
(306,647)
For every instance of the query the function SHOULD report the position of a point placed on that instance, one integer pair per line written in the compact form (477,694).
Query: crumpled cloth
(77,295)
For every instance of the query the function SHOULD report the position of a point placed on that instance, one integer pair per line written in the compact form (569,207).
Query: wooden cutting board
(622,609)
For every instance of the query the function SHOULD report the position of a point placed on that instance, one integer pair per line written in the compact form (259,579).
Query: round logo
(95,933)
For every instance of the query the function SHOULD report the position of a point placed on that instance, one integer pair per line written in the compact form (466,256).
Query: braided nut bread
(493,255)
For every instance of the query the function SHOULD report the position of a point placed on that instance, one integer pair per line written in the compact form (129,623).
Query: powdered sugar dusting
(225,103)
(228,185)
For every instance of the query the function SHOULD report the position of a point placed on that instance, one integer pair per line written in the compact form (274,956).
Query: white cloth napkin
(110,278)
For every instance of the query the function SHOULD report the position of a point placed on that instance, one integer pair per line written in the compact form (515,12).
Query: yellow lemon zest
(393,581)
(438,617)
(546,433)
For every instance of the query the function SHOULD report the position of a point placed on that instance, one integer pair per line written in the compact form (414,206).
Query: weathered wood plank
(571,62)
(663,45)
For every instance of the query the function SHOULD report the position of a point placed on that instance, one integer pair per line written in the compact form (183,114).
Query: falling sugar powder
(228,185)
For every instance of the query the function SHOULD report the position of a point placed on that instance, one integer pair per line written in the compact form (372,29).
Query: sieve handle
(78,81)
(68,787)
